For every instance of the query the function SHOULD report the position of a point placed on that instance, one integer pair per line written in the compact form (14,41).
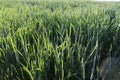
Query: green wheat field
(57,39)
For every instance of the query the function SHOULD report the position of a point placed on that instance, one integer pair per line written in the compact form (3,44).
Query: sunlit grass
(61,40)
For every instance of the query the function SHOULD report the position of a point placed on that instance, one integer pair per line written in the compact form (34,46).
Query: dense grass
(57,40)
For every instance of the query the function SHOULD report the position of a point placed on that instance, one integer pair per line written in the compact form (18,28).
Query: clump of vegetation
(57,40)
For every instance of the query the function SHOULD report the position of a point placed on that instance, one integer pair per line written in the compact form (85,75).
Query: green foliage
(56,40)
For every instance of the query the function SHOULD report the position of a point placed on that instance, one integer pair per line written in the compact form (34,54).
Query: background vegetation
(57,40)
